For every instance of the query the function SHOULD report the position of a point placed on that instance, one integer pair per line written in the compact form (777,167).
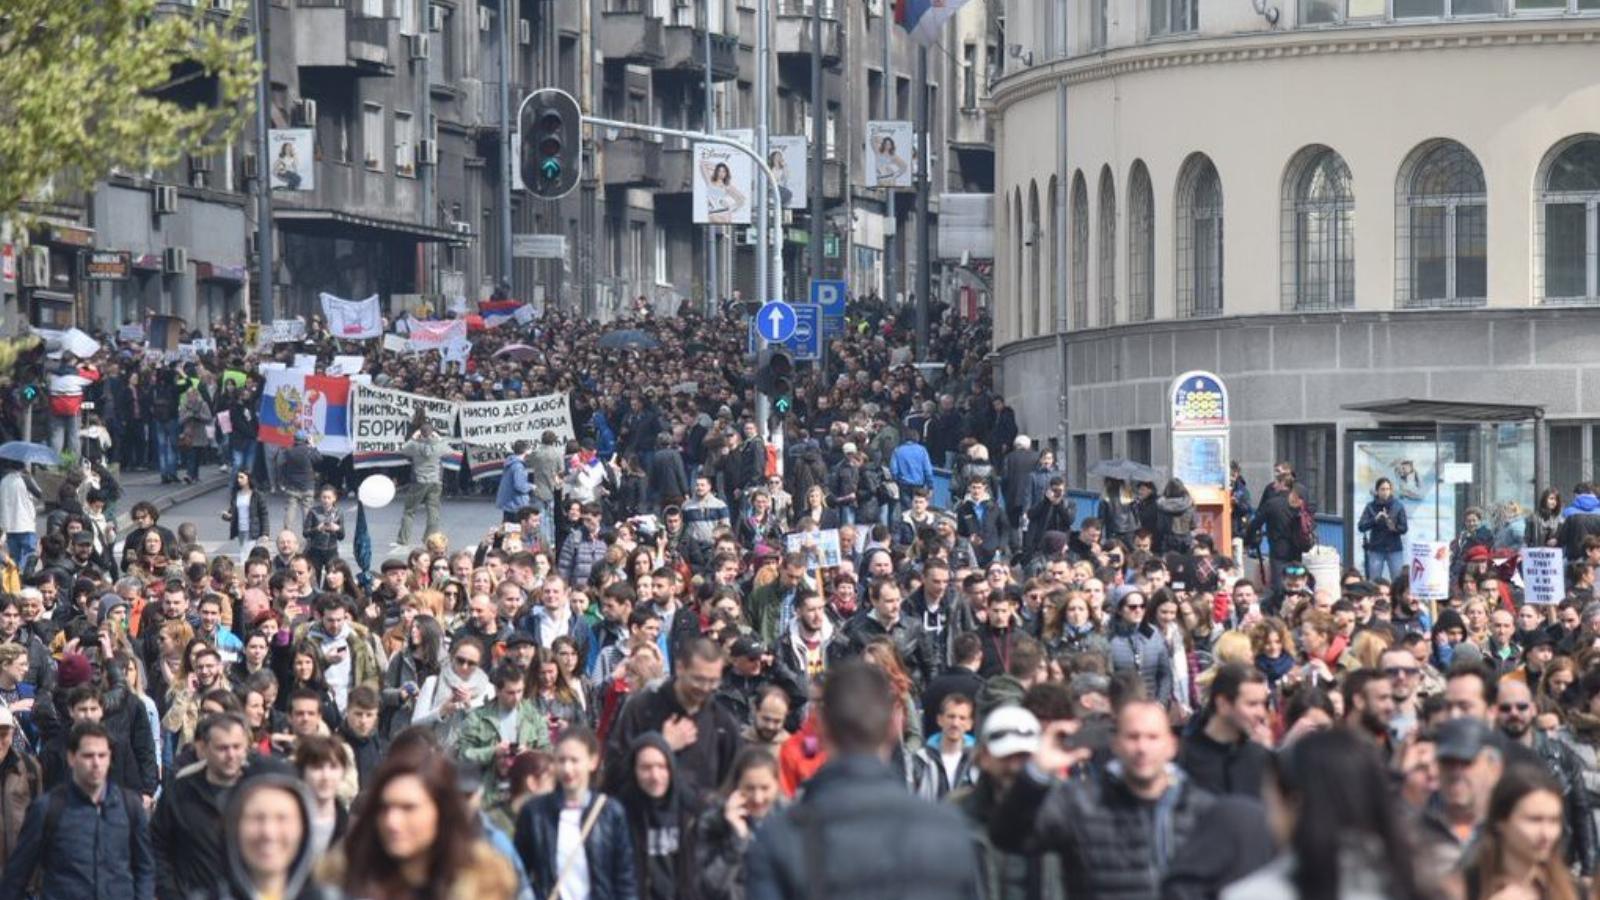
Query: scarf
(1274,667)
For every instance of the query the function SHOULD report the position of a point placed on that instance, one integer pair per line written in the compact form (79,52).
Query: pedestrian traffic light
(552,143)
(774,378)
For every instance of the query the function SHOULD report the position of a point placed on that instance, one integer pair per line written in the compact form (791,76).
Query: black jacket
(876,840)
(187,831)
(94,852)
(956,680)
(1045,517)
(1274,518)
(258,526)
(666,475)
(1224,768)
(1105,835)
(608,849)
(702,764)
(908,635)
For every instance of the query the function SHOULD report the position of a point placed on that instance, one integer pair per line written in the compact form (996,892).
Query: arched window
(1106,264)
(1441,228)
(1049,297)
(1020,286)
(1199,244)
(1319,253)
(1080,251)
(1141,244)
(1035,239)
(1569,189)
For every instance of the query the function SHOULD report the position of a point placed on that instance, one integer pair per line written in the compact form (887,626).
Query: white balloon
(376,492)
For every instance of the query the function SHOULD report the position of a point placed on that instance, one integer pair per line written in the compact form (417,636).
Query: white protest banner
(204,345)
(381,418)
(187,353)
(132,333)
(820,547)
(79,344)
(307,361)
(499,423)
(352,320)
(394,343)
(1543,581)
(287,331)
(346,365)
(1430,570)
(436,334)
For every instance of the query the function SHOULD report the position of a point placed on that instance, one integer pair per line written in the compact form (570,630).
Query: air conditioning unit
(681,4)
(427,152)
(199,163)
(175,260)
(223,5)
(166,196)
(484,19)
(524,32)
(252,168)
(435,18)
(36,267)
(420,46)
(461,227)
(306,113)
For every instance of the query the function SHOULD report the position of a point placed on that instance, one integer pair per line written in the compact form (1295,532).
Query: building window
(1442,228)
(1444,9)
(405,144)
(1569,188)
(1080,459)
(969,75)
(830,131)
(372,141)
(1319,255)
(1107,448)
(1019,246)
(1107,262)
(1313,451)
(1035,238)
(1199,243)
(410,18)
(1139,445)
(1141,245)
(1080,251)
(1099,17)
(1173,16)
(372,9)
(663,258)
(1050,297)
(1557,7)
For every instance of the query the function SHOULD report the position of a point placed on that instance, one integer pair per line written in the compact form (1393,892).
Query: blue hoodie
(1582,505)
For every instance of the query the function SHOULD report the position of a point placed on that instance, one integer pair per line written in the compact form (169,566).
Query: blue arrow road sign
(829,295)
(805,333)
(775,321)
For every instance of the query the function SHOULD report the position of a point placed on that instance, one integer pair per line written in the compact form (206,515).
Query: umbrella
(519,352)
(1124,470)
(629,337)
(475,322)
(24,452)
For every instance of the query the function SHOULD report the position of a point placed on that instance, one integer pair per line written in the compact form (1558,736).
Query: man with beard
(1515,712)
(703,736)
(1369,705)
(1223,756)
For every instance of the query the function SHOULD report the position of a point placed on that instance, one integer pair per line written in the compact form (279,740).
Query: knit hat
(108,602)
(73,670)
(1466,653)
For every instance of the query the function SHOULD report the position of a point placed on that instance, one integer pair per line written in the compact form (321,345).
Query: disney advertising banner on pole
(723,185)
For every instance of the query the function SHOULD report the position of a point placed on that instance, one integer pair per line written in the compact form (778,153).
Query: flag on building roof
(924,18)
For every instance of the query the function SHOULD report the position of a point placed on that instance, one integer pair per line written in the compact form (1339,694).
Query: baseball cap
(849,449)
(393,565)
(1010,730)
(1461,740)
(748,646)
(7,720)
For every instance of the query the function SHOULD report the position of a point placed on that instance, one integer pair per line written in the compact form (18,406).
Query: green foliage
(80,84)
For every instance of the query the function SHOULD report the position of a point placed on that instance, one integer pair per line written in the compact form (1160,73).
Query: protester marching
(872,647)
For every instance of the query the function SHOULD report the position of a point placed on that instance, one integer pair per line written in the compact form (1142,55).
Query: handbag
(583,838)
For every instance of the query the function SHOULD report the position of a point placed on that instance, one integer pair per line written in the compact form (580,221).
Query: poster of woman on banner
(722,192)
(291,159)
(787,158)
(888,148)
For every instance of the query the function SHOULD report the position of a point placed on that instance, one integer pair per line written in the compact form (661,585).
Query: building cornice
(1307,42)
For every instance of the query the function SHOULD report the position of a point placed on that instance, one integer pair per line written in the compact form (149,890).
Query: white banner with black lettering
(382,419)
(498,423)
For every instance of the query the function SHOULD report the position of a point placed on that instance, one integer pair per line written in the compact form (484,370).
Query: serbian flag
(507,306)
(924,18)
(296,400)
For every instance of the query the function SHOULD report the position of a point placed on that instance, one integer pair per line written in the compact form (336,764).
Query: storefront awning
(334,223)
(1448,410)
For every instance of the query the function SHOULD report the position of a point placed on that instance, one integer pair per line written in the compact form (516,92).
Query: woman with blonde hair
(1232,647)
(1365,651)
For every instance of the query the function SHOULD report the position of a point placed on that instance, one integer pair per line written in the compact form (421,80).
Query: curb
(176,497)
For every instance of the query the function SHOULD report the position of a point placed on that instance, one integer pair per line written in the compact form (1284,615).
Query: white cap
(1010,730)
(7,720)
(849,449)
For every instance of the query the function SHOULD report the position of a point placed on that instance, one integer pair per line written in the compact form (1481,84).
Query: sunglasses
(1133,606)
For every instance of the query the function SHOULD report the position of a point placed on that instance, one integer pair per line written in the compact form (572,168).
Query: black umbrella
(628,337)
(1124,470)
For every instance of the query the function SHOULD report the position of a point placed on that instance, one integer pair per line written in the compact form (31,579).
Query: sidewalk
(147,486)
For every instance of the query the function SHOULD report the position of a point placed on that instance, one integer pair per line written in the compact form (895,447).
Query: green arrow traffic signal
(551,169)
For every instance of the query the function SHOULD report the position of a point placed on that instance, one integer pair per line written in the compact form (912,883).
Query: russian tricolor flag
(295,400)
(924,18)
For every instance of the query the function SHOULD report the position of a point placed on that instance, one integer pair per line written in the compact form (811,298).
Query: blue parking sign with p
(828,295)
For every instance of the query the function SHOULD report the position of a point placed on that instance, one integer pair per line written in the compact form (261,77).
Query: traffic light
(552,143)
(774,378)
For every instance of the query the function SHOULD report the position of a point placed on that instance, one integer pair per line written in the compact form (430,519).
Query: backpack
(1303,530)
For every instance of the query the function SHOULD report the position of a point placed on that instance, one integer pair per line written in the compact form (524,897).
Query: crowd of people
(682,660)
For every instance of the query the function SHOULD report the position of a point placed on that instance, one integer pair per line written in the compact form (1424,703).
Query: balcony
(337,41)
(631,37)
(686,53)
(791,34)
(631,161)
(677,171)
